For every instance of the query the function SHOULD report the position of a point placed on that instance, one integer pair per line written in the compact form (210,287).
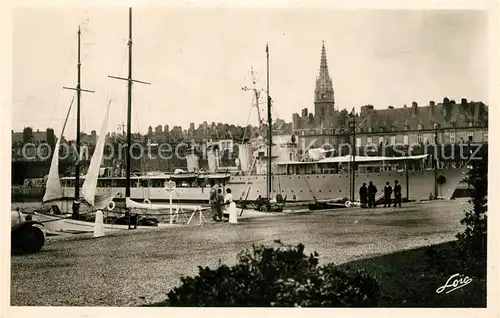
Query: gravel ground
(132,268)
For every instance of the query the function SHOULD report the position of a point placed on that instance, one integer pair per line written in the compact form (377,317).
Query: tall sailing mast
(76,202)
(129,104)
(270,131)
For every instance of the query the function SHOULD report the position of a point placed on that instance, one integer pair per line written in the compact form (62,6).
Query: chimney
(304,112)
(414,106)
(478,110)
(432,105)
(390,107)
(365,109)
(464,101)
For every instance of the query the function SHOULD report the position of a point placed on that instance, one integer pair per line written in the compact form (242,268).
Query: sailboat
(58,221)
(139,207)
(65,222)
(270,203)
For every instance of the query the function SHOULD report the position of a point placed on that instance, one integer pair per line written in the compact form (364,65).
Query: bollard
(99,224)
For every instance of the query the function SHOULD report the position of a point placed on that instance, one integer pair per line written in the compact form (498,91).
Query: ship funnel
(193,164)
(212,161)
(245,157)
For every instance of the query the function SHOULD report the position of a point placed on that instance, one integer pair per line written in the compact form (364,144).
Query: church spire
(324,99)
(323,66)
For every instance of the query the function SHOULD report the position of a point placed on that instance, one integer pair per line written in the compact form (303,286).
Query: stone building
(450,122)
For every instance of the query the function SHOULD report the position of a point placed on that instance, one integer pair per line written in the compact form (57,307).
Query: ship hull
(416,185)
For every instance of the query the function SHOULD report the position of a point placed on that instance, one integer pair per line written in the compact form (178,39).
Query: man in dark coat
(220,203)
(387,194)
(213,203)
(397,193)
(372,192)
(363,195)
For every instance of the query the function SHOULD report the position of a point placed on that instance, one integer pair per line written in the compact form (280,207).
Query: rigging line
(248,121)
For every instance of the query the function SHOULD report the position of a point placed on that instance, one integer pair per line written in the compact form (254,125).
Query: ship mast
(256,92)
(130,81)
(78,89)
(270,131)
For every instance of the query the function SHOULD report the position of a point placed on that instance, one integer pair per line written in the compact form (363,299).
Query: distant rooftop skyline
(199,59)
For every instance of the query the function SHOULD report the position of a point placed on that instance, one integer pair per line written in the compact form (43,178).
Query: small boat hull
(58,224)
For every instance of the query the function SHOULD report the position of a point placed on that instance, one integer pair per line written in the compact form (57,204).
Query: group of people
(220,203)
(367,195)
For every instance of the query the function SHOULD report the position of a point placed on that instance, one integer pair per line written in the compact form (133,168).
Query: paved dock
(132,268)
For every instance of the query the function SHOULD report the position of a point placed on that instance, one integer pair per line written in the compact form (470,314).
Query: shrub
(283,276)
(469,251)
(471,244)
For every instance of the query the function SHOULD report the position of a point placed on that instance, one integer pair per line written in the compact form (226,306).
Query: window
(485,136)
(419,138)
(380,140)
(393,140)
(358,142)
(369,140)
(452,137)
(426,140)
(290,156)
(470,134)
(420,126)
(405,140)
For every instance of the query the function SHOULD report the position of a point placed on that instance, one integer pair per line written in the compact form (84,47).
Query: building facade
(446,122)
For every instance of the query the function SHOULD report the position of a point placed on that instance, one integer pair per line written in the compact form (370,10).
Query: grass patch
(407,280)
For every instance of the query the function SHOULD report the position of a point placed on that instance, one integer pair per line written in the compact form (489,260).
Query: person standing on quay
(363,195)
(397,194)
(220,203)
(231,209)
(372,192)
(387,194)
(213,202)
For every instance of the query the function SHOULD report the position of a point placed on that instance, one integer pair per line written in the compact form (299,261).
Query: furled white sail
(90,184)
(53,189)
(150,206)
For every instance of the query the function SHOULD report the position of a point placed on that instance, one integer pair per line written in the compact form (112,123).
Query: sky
(198,59)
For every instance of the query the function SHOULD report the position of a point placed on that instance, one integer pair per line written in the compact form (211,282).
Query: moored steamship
(294,178)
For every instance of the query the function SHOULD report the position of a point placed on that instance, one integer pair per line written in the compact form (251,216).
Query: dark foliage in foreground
(470,248)
(284,276)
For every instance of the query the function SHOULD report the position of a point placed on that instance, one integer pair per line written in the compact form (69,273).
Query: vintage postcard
(306,155)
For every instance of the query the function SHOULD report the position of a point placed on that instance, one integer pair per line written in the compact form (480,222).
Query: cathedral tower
(324,99)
